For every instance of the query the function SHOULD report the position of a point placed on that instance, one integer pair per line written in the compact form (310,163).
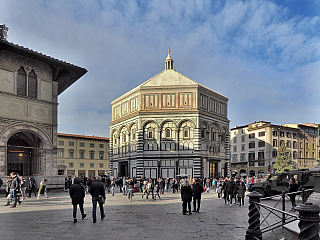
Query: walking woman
(186,197)
(43,188)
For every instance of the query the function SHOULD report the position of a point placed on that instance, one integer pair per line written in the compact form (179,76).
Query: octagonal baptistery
(168,126)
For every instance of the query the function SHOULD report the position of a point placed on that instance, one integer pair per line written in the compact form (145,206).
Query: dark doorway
(23,154)
(212,170)
(123,169)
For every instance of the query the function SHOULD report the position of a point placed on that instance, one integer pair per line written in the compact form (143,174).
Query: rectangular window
(275,143)
(262,134)
(243,138)
(289,144)
(101,145)
(82,155)
(71,164)
(91,173)
(261,144)
(294,135)
(274,153)
(243,147)
(71,172)
(100,165)
(288,135)
(281,134)
(92,145)
(243,157)
(82,144)
(235,148)
(295,145)
(251,156)
(101,155)
(82,165)
(92,155)
(260,155)
(61,143)
(71,154)
(60,154)
(71,144)
(251,145)
(234,140)
(91,165)
(274,133)
(251,164)
(251,135)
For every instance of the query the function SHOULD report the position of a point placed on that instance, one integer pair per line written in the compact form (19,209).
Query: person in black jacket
(98,194)
(186,197)
(198,190)
(293,187)
(32,187)
(231,188)
(77,195)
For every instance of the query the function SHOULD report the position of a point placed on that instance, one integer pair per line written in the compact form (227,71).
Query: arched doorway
(23,154)
(252,173)
(243,173)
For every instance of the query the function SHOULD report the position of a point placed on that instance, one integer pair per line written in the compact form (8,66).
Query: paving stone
(140,219)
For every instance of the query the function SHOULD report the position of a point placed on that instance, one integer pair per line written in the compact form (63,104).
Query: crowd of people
(16,187)
(231,190)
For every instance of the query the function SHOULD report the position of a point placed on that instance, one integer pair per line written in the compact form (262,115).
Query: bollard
(253,232)
(283,207)
(309,221)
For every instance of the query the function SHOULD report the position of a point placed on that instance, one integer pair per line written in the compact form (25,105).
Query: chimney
(3,32)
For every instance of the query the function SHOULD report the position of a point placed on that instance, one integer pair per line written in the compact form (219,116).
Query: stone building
(30,83)
(254,147)
(80,155)
(169,125)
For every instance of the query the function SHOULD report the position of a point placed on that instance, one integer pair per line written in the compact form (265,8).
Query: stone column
(3,160)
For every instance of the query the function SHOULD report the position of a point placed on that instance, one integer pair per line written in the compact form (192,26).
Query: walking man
(197,191)
(98,194)
(77,195)
(14,188)
(32,187)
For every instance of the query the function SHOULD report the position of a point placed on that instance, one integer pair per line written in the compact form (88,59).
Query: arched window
(186,133)
(168,132)
(150,132)
(22,82)
(32,85)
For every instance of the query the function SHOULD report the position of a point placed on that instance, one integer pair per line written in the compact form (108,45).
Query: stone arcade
(30,83)
(169,125)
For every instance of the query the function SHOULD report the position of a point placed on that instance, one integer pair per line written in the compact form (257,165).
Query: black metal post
(253,232)
(283,207)
(309,221)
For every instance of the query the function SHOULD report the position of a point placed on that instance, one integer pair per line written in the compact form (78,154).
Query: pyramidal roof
(170,78)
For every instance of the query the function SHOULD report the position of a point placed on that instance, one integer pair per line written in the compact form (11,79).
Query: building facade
(254,147)
(169,125)
(80,155)
(30,83)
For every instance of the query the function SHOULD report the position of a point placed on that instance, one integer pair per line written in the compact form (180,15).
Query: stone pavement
(140,219)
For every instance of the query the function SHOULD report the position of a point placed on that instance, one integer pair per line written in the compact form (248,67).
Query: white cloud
(254,52)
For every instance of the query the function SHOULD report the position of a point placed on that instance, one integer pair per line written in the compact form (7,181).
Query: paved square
(140,219)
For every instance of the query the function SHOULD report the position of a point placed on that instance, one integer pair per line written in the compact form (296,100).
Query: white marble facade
(167,126)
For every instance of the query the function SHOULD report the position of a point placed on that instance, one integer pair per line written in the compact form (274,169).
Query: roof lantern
(168,63)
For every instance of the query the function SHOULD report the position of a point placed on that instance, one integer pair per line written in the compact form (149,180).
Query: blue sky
(263,55)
